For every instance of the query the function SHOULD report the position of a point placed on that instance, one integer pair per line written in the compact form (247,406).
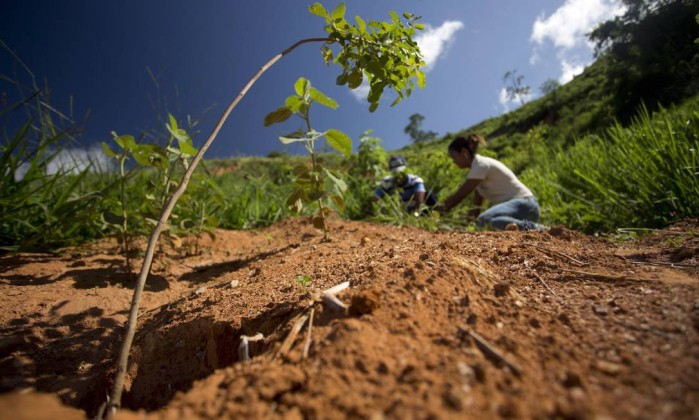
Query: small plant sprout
(310,182)
(145,155)
(303,280)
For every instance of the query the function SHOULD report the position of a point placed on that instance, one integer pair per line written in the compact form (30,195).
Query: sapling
(310,183)
(382,52)
(146,155)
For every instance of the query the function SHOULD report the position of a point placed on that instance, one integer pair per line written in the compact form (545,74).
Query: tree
(413,129)
(514,87)
(549,86)
(652,56)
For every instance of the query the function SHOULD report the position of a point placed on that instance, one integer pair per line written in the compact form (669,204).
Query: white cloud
(433,42)
(567,30)
(361,92)
(569,70)
(74,161)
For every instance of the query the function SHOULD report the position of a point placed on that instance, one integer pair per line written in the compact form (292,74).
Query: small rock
(461,301)
(479,371)
(200,291)
(572,380)
(234,283)
(364,241)
(563,317)
(501,289)
(424,257)
(453,399)
(600,310)
(609,368)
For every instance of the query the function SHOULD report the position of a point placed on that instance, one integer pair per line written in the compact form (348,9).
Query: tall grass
(46,198)
(643,175)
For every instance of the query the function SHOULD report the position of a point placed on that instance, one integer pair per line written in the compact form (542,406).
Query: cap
(397,164)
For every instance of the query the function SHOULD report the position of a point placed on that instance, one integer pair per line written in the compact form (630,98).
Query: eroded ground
(447,325)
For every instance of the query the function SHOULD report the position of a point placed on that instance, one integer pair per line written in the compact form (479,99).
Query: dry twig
(289,340)
(560,254)
(544,283)
(673,265)
(307,346)
(603,276)
(492,353)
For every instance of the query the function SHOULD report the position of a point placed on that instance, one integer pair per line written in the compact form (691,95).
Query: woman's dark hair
(470,142)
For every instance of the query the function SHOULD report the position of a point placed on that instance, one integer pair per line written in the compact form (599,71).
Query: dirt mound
(508,324)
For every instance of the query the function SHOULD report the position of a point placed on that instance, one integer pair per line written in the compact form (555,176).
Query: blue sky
(97,55)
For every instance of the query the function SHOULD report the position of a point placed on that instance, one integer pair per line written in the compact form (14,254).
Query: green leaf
(338,12)
(327,55)
(361,24)
(187,147)
(289,140)
(354,79)
(150,155)
(126,142)
(318,10)
(339,141)
(320,97)
(341,79)
(296,199)
(173,122)
(339,201)
(280,115)
(420,79)
(300,169)
(339,183)
(113,219)
(294,103)
(316,195)
(107,151)
(301,86)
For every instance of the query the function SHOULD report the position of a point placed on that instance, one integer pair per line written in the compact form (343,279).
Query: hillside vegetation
(614,148)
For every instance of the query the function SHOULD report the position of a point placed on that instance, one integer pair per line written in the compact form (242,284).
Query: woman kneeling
(513,204)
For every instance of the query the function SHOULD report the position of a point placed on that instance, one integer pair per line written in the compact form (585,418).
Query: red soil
(468,325)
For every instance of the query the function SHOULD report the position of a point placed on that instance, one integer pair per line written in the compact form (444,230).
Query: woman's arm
(461,193)
(477,203)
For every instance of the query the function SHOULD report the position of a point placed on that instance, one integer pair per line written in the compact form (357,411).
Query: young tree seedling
(382,52)
(310,183)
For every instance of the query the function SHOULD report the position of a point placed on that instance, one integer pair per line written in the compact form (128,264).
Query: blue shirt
(413,185)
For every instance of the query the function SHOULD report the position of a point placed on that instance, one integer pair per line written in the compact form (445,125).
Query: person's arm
(419,199)
(461,193)
(477,203)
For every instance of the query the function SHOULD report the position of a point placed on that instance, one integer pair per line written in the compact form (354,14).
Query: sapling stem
(115,400)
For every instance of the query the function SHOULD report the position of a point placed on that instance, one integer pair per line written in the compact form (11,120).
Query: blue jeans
(523,212)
